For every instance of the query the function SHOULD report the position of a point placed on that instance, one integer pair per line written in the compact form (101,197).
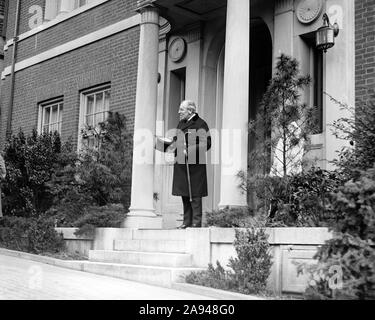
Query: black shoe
(183,226)
(196,225)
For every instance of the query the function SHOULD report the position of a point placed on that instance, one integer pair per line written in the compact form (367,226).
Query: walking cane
(188,172)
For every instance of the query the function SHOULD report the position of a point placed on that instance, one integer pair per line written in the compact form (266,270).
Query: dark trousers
(192,212)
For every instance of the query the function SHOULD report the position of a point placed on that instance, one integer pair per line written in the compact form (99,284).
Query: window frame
(41,115)
(317,73)
(55,8)
(83,107)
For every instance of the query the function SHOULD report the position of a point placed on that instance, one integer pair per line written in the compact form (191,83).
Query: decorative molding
(150,15)
(193,35)
(282,6)
(165,28)
(144,4)
(55,21)
(75,44)
(192,32)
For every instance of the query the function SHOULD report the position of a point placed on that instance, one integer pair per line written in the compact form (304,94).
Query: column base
(143,222)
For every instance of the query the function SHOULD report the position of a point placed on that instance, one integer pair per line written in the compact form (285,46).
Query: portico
(204,52)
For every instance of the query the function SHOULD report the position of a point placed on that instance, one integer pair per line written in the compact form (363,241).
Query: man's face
(183,112)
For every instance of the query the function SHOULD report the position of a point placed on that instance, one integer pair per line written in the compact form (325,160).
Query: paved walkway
(29,280)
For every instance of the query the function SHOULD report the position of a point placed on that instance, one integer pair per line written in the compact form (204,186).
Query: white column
(142,212)
(234,136)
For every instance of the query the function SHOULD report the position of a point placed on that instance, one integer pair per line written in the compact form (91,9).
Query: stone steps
(158,257)
(147,234)
(149,245)
(142,258)
(160,276)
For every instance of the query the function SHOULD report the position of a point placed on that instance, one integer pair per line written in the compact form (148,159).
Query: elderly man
(189,175)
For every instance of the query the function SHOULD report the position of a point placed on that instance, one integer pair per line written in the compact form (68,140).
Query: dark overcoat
(194,136)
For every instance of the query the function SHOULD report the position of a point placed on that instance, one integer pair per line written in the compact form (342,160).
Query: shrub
(348,262)
(35,235)
(99,177)
(217,278)
(240,217)
(359,130)
(353,247)
(30,163)
(105,169)
(354,205)
(248,272)
(305,200)
(110,216)
(253,263)
(301,199)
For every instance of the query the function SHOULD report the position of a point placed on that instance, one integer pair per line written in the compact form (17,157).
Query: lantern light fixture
(326,34)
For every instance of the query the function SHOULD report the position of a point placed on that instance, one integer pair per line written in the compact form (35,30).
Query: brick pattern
(113,59)
(365,49)
(89,21)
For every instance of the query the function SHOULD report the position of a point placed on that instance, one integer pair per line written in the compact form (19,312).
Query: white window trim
(83,107)
(42,106)
(57,20)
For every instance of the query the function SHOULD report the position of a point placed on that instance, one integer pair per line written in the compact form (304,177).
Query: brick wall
(89,21)
(365,48)
(111,60)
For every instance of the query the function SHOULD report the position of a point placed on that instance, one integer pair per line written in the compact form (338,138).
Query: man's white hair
(190,105)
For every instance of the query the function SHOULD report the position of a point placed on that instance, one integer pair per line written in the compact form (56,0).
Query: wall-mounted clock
(177,49)
(308,10)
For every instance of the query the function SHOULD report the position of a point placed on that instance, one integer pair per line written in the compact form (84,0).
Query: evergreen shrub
(247,273)
(34,235)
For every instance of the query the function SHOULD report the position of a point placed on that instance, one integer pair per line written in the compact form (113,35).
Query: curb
(213,293)
(70,264)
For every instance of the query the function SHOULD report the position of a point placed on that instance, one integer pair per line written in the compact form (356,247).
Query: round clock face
(308,10)
(177,49)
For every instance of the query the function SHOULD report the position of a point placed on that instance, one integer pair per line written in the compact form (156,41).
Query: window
(94,110)
(318,86)
(96,107)
(317,75)
(55,8)
(50,116)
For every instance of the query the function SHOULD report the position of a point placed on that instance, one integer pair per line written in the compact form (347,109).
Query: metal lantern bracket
(335,26)
(326,34)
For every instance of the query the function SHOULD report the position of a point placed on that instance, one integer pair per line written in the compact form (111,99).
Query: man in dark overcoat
(192,140)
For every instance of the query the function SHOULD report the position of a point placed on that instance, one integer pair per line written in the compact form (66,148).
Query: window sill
(57,20)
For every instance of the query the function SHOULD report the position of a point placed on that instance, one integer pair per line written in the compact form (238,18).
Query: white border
(75,44)
(54,22)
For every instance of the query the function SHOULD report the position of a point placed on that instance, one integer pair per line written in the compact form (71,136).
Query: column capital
(149,12)
(143,5)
